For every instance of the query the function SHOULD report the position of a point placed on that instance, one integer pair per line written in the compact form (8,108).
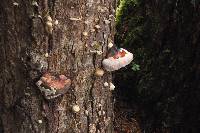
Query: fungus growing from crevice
(120,59)
(53,86)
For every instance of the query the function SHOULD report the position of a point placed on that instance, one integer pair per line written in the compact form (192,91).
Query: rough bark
(24,44)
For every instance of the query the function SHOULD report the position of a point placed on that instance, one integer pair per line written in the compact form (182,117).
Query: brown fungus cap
(53,86)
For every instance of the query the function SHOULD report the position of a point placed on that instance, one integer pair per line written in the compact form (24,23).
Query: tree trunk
(71,45)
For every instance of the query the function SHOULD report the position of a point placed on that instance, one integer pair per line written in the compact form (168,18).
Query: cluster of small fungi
(54,86)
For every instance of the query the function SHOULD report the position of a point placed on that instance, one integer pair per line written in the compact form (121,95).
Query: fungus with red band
(52,86)
(119,59)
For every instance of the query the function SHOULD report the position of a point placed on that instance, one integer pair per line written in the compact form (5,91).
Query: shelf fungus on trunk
(120,59)
(53,86)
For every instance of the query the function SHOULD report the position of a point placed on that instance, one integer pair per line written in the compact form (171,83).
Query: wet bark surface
(30,46)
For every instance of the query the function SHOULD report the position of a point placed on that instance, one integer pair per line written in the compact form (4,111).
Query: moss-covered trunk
(164,83)
(28,48)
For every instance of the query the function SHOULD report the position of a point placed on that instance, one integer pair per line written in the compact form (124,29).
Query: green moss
(122,9)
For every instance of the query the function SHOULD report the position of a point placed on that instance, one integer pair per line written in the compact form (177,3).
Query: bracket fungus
(120,59)
(52,86)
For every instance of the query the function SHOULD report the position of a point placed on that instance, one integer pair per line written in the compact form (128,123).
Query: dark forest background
(161,88)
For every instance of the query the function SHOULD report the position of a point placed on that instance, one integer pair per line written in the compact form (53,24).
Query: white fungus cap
(112,86)
(49,18)
(40,121)
(110,45)
(76,108)
(105,84)
(56,22)
(112,64)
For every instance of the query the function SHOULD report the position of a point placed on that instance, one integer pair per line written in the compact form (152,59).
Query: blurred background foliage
(163,83)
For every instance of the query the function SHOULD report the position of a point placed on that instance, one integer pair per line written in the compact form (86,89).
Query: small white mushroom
(110,45)
(100,105)
(86,112)
(34,3)
(92,30)
(99,52)
(93,51)
(85,33)
(56,22)
(75,19)
(46,55)
(99,72)
(104,113)
(39,16)
(99,113)
(48,23)
(76,108)
(97,26)
(49,18)
(15,4)
(107,21)
(105,84)
(112,86)
(49,27)
(40,121)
